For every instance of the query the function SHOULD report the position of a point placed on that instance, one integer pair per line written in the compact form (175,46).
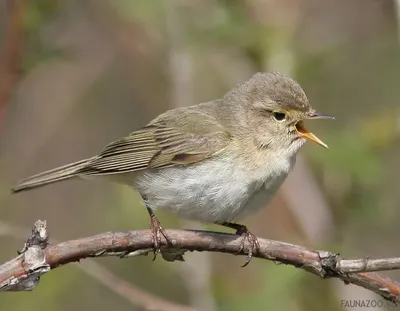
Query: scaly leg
(246,235)
(157,230)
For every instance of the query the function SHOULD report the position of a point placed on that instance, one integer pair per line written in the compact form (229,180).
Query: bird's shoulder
(198,119)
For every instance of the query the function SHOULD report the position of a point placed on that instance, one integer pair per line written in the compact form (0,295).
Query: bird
(214,162)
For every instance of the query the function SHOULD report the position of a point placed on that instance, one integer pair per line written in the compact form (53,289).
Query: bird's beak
(302,131)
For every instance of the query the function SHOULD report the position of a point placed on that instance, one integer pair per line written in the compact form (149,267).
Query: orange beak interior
(302,131)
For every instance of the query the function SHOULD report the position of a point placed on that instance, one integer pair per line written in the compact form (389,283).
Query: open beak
(302,131)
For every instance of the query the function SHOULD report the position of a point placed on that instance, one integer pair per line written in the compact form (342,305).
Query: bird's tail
(48,177)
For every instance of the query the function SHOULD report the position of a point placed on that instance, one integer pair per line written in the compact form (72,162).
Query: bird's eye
(279,116)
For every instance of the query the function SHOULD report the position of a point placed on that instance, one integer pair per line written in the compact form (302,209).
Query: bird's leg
(157,230)
(246,235)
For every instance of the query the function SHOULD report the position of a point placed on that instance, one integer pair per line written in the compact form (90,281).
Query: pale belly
(212,193)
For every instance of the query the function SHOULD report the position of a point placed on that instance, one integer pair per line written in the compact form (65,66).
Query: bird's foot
(245,234)
(252,239)
(158,231)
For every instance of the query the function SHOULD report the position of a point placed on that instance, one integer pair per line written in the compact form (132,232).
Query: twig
(131,293)
(134,295)
(15,273)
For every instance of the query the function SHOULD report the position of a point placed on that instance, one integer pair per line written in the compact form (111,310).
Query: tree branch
(22,272)
(136,296)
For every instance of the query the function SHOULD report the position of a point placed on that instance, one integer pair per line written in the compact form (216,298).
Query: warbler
(210,162)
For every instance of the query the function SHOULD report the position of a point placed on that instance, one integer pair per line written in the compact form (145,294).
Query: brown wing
(169,140)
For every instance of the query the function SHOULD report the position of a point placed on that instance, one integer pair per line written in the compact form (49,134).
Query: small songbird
(215,162)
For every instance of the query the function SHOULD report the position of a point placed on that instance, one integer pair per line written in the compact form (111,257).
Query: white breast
(214,190)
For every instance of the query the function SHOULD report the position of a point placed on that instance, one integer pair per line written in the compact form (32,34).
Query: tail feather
(51,176)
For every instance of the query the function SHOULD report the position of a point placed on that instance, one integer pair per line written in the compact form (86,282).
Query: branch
(22,272)
(136,296)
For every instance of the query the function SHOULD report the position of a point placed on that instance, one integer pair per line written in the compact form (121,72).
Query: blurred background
(76,75)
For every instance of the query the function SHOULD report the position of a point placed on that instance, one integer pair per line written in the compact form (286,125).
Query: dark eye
(279,116)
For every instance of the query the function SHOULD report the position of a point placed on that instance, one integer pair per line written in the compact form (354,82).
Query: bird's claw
(254,247)
(158,231)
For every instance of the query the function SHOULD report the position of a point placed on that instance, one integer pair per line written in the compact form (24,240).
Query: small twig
(39,237)
(321,263)
(370,265)
(134,295)
(32,261)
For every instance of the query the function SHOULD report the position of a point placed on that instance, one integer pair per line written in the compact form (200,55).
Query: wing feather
(161,145)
